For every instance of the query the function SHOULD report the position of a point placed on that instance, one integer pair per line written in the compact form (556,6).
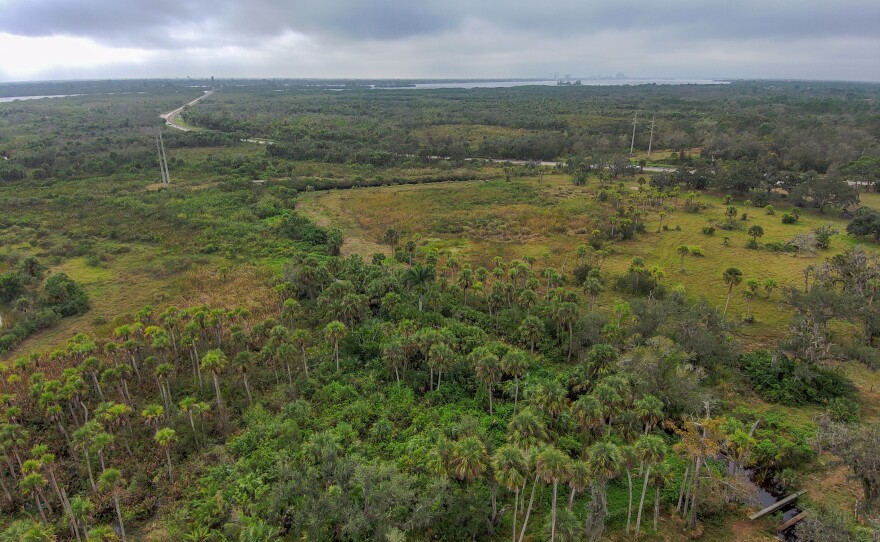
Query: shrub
(770,210)
(779,379)
(791,218)
(752,244)
(708,230)
(696,251)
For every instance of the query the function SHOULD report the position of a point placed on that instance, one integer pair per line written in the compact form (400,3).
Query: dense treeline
(380,400)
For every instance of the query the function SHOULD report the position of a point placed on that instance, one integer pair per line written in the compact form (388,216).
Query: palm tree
(527,429)
(683,251)
(550,397)
(243,362)
(487,368)
(165,438)
(112,481)
(732,277)
(592,287)
(604,460)
(152,414)
(441,356)
(553,466)
(188,405)
(214,361)
(32,484)
(660,476)
(515,363)
(466,281)
(651,450)
(650,409)
(419,277)
(531,330)
(468,459)
(302,338)
(81,509)
(755,231)
(509,466)
(82,439)
(334,332)
(567,315)
(578,480)
(587,411)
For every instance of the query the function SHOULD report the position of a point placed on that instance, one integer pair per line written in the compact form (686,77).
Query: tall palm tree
(553,466)
(651,449)
(578,480)
(531,330)
(682,251)
(165,438)
(214,361)
(550,397)
(112,481)
(468,459)
(466,281)
(81,509)
(592,287)
(243,362)
(732,277)
(334,332)
(515,363)
(509,466)
(188,405)
(32,484)
(419,277)
(440,357)
(604,460)
(650,410)
(487,368)
(566,315)
(301,338)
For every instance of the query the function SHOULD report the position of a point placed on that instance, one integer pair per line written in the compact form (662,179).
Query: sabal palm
(487,368)
(553,466)
(515,363)
(165,438)
(334,332)
(112,481)
(440,357)
(510,468)
(650,410)
(214,361)
(732,276)
(468,458)
(532,330)
(650,449)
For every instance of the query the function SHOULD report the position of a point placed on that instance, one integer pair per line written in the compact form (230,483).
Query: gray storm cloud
(805,39)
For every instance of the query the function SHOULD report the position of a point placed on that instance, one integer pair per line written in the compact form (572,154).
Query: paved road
(171,116)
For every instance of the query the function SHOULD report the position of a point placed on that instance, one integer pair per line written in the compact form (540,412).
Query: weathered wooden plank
(777,505)
(790,523)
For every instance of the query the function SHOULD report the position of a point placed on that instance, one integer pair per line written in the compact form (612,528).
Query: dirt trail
(171,116)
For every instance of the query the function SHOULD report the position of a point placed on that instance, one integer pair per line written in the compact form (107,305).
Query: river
(15,98)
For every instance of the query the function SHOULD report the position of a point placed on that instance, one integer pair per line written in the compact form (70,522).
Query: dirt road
(171,116)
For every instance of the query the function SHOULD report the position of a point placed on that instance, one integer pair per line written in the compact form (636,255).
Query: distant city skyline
(687,39)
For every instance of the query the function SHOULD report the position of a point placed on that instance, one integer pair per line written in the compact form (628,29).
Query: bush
(697,251)
(778,379)
(64,296)
(843,410)
(752,244)
(791,218)
(708,230)
(769,210)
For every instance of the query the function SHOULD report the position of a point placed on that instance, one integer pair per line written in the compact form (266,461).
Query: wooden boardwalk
(777,505)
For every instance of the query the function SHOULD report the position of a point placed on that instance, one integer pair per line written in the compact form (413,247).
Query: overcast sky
(801,39)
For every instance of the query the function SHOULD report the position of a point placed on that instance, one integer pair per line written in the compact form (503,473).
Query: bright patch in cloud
(23,57)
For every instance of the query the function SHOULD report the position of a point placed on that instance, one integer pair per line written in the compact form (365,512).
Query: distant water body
(552,82)
(14,98)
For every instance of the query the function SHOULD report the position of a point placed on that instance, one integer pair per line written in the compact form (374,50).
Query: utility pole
(651,139)
(163,160)
(633,142)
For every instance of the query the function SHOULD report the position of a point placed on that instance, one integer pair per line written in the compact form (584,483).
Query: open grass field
(531,216)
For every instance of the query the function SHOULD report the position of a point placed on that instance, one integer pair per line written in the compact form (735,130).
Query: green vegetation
(513,351)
